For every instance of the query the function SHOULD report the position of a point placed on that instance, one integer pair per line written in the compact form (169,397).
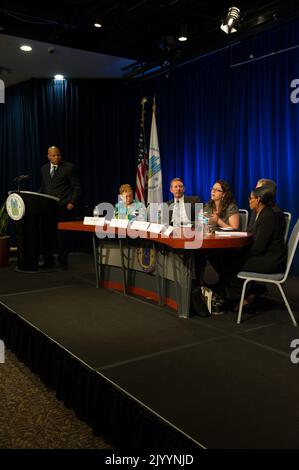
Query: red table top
(192,239)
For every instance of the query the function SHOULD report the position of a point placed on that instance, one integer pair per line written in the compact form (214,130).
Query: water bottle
(205,222)
(159,216)
(96,212)
(199,220)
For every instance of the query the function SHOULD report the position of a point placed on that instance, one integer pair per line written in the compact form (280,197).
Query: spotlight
(183,33)
(230,23)
(97,24)
(58,77)
(26,48)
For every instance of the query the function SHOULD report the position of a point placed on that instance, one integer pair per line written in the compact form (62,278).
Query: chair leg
(287,304)
(242,301)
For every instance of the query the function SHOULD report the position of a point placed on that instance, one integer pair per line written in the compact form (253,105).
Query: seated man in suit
(182,212)
(182,208)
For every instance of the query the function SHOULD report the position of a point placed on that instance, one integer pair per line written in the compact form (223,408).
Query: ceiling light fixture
(229,25)
(59,77)
(26,48)
(183,33)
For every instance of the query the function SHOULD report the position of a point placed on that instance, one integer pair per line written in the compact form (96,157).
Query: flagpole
(141,173)
(154,104)
(143,101)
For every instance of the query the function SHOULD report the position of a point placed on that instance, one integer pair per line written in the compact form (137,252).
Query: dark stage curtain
(92,121)
(225,115)
(228,116)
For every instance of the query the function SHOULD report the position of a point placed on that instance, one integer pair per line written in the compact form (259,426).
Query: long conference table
(149,265)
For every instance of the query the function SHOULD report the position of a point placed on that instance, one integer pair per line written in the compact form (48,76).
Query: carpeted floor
(32,418)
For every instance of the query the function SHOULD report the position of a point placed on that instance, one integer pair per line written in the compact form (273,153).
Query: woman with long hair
(222,209)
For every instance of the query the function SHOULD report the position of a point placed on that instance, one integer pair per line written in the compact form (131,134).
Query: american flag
(142,163)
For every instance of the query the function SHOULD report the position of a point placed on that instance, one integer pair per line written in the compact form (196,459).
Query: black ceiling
(143,30)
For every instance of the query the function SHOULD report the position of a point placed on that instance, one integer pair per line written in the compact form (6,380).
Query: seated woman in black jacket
(268,251)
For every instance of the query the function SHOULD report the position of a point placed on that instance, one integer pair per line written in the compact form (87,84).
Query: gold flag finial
(154,103)
(143,101)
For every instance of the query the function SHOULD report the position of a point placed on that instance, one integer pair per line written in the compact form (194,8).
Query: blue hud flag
(155,193)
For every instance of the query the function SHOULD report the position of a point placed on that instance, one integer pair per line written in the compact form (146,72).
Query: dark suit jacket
(277,211)
(64,184)
(187,199)
(268,253)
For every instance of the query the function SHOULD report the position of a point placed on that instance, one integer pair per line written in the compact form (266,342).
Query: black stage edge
(147,380)
(110,412)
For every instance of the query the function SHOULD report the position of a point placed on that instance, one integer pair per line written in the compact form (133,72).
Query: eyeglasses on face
(251,197)
(217,190)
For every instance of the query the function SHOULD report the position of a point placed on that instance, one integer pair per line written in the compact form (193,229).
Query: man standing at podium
(59,179)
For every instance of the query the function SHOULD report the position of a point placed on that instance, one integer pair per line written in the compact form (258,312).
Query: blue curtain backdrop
(224,116)
(231,116)
(217,119)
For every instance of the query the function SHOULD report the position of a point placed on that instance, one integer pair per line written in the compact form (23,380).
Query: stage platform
(144,378)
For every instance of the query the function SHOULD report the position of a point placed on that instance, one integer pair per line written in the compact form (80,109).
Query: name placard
(99,221)
(119,223)
(139,225)
(168,231)
(155,228)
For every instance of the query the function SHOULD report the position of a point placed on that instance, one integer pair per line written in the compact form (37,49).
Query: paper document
(231,234)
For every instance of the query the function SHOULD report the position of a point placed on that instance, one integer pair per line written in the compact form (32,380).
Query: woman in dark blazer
(268,251)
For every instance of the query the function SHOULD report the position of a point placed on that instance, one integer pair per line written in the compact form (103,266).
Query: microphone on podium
(21,178)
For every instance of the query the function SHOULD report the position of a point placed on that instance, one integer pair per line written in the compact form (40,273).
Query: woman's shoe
(247,308)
